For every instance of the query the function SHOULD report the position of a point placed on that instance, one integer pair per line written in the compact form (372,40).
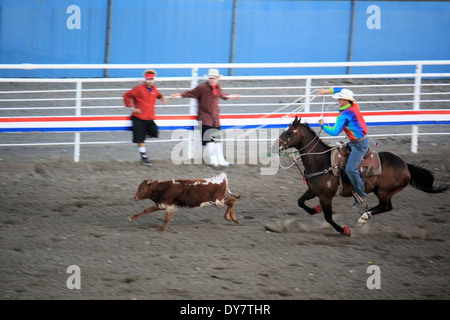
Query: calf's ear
(149,181)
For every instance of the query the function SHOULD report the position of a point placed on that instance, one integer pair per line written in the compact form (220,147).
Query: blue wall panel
(292,31)
(194,31)
(199,31)
(35,31)
(409,30)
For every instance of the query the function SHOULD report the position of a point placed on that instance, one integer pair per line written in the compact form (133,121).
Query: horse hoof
(346,231)
(318,208)
(363,218)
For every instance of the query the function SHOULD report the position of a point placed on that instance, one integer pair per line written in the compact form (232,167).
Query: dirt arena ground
(56,213)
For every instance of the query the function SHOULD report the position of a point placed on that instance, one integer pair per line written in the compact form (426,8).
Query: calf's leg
(229,214)
(232,214)
(166,222)
(146,211)
(153,209)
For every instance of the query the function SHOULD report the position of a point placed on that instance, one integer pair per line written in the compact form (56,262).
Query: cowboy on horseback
(352,122)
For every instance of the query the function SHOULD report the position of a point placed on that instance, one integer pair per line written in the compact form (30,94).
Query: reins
(310,175)
(295,160)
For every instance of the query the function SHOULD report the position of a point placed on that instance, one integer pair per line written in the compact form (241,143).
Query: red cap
(149,76)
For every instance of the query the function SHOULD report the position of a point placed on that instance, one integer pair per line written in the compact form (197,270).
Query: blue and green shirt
(349,119)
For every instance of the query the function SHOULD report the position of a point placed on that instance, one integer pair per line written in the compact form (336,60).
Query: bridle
(316,139)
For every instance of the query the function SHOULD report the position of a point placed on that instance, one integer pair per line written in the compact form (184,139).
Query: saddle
(369,166)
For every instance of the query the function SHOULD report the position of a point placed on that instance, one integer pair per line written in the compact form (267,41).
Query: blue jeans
(359,150)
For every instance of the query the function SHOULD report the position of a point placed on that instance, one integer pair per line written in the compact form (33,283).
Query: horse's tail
(423,179)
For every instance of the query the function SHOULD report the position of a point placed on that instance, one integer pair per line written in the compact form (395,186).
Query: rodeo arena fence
(87,105)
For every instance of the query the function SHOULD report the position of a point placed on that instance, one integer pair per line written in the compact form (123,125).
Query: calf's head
(144,190)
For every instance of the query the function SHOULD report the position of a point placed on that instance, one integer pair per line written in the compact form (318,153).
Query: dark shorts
(209,134)
(143,128)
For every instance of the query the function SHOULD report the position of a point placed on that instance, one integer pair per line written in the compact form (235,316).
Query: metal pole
(233,34)
(416,106)
(76,149)
(350,40)
(193,111)
(108,36)
(307,94)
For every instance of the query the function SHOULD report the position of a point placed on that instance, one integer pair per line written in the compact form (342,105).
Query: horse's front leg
(308,195)
(325,202)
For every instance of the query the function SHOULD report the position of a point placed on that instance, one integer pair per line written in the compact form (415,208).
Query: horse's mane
(307,126)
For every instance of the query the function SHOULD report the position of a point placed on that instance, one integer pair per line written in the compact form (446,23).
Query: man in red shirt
(207,95)
(141,99)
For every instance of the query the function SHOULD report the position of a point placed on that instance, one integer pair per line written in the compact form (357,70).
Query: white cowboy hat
(344,94)
(213,73)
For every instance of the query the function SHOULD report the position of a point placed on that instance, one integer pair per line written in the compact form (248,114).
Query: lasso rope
(273,112)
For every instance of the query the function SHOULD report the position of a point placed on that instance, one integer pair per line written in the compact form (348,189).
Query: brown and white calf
(181,193)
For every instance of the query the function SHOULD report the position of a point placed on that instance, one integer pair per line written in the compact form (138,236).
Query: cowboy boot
(211,148)
(219,154)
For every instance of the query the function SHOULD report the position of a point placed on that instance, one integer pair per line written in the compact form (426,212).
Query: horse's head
(291,137)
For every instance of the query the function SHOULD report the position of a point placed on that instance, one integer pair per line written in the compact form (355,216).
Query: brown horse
(396,174)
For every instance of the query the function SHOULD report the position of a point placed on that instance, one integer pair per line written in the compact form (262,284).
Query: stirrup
(358,200)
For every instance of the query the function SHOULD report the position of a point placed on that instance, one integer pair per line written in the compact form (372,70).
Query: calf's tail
(423,179)
(237,196)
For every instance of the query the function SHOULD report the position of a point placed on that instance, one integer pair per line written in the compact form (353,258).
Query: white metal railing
(414,98)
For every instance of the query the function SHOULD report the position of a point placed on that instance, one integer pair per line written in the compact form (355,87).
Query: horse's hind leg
(392,181)
(308,195)
(384,205)
(380,208)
